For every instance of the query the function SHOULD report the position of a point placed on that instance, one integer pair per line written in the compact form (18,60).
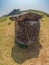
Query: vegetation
(2,19)
(37,11)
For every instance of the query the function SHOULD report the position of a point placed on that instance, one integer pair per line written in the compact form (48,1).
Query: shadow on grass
(22,54)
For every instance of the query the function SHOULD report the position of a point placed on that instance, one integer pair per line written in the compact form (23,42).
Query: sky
(7,6)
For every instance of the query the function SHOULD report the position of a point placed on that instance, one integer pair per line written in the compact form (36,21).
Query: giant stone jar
(27,27)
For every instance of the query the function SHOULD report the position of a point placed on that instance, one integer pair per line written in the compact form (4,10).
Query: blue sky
(8,5)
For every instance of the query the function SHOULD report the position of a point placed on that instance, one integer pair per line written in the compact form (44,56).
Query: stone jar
(27,27)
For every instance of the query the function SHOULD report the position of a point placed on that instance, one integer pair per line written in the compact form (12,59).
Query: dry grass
(13,55)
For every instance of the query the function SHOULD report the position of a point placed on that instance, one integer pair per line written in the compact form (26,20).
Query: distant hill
(16,11)
(13,12)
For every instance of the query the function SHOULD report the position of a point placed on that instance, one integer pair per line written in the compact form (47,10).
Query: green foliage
(2,19)
(9,23)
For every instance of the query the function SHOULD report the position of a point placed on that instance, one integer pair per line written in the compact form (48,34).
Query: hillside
(17,11)
(11,54)
(37,11)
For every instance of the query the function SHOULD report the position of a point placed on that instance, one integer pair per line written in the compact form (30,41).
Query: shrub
(9,23)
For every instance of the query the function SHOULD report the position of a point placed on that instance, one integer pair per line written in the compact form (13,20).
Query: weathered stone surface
(27,27)
(25,15)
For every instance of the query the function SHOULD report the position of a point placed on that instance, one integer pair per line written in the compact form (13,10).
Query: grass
(13,55)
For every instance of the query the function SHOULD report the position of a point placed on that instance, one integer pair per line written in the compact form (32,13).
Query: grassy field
(10,54)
